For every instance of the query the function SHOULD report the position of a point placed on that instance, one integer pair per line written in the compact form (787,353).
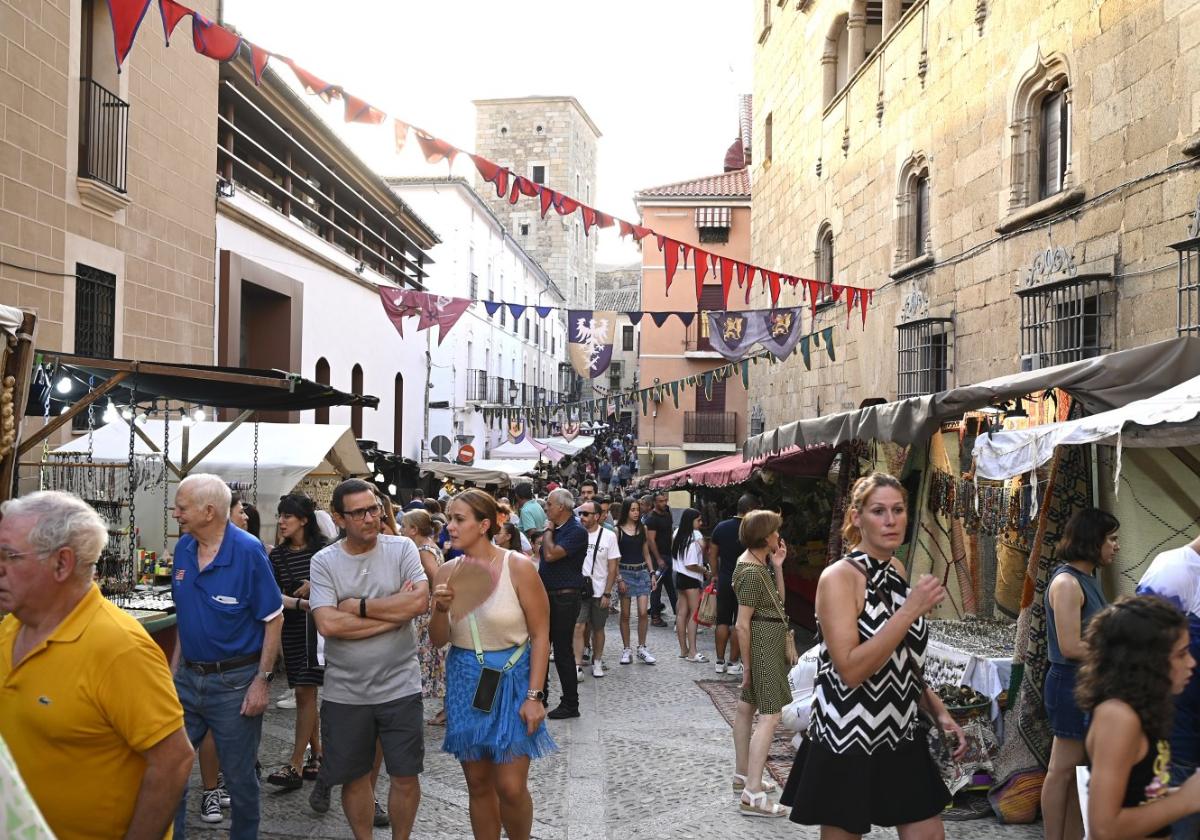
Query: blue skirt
(498,736)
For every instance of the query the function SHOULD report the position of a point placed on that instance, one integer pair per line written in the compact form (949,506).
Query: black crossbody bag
(588,583)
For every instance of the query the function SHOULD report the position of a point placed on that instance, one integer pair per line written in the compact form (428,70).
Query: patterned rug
(725,695)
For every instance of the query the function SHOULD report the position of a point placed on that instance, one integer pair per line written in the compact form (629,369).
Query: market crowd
(471,598)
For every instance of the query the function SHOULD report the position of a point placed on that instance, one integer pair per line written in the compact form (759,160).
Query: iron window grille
(1187,319)
(1066,321)
(477,386)
(95,318)
(923,357)
(103,135)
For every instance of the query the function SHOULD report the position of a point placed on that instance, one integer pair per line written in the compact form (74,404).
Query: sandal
(312,767)
(286,777)
(438,720)
(739,784)
(760,806)
(699,657)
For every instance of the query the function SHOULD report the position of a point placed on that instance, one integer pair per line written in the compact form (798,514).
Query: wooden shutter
(1051,145)
(716,403)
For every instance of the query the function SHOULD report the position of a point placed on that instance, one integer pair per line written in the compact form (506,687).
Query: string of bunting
(222,44)
(601,407)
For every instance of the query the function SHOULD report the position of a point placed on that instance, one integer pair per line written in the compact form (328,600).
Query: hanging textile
(590,340)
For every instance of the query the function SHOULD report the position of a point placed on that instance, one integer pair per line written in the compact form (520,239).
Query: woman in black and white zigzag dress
(862,763)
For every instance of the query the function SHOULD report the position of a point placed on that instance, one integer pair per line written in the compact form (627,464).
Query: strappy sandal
(739,784)
(699,657)
(760,806)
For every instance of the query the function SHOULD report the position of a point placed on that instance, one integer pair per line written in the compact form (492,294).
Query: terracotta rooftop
(734,184)
(625,299)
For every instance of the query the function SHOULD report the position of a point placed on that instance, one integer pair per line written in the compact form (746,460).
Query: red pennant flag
(685,250)
(493,173)
(626,228)
(726,279)
(565,205)
(851,299)
(670,249)
(813,289)
(171,13)
(864,297)
(213,40)
(589,218)
(359,111)
(436,150)
(258,62)
(401,135)
(701,269)
(836,291)
(604,220)
(312,84)
(771,280)
(126,16)
(636,231)
(745,277)
(547,197)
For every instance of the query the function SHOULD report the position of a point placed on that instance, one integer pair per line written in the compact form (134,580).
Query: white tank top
(500,618)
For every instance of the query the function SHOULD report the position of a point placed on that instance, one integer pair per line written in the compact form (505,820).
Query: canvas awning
(483,472)
(287,452)
(1165,420)
(1099,384)
(527,449)
(569,447)
(733,469)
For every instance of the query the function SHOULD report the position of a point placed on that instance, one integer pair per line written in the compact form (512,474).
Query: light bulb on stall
(110,413)
(391,489)
(370,466)
(198,415)
(379,478)
(186,420)
(126,414)
(140,420)
(63,386)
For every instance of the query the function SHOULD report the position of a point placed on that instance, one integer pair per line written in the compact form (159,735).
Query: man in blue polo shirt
(564,545)
(229,612)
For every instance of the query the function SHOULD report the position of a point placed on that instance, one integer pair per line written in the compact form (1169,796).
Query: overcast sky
(660,78)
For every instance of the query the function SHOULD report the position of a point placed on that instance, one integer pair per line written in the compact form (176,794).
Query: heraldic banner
(590,340)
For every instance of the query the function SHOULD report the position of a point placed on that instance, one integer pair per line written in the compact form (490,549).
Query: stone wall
(161,246)
(553,132)
(946,83)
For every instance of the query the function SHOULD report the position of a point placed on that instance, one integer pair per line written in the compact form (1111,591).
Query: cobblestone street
(651,757)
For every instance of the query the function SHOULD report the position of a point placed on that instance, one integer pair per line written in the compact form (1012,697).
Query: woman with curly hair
(1089,543)
(1136,661)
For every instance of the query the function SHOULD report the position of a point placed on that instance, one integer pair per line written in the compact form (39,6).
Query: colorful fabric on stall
(590,340)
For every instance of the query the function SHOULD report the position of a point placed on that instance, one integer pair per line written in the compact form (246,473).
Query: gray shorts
(348,734)
(591,613)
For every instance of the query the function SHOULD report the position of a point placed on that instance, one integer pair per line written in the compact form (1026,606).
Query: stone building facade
(551,140)
(1008,181)
(619,289)
(108,184)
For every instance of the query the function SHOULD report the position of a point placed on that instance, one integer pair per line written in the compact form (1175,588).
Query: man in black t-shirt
(564,544)
(660,526)
(724,549)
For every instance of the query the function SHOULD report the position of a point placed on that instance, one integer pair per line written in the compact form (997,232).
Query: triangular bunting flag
(492,307)
(827,335)
(865,296)
(670,249)
(258,61)
(546,198)
(701,270)
(435,150)
(635,318)
(543,311)
(362,112)
(213,40)
(312,84)
(401,130)
(675,393)
(851,299)
(745,365)
(726,268)
(660,318)
(171,13)
(686,317)
(126,17)
(493,173)
(805,352)
(771,280)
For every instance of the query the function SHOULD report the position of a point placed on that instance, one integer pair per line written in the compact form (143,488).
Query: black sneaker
(381,817)
(318,800)
(210,806)
(286,777)
(563,712)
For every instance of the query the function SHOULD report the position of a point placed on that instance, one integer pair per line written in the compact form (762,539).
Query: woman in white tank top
(493,733)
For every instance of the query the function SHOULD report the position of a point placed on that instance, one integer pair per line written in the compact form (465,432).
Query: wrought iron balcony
(710,427)
(477,385)
(103,135)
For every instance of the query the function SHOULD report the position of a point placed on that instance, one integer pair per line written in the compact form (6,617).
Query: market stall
(484,472)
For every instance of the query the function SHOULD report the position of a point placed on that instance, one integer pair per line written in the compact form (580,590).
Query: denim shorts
(637,582)
(1066,719)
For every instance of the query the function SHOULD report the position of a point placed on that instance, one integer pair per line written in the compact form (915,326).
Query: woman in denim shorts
(1089,542)
(635,570)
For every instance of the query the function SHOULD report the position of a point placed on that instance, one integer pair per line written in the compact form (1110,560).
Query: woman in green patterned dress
(762,631)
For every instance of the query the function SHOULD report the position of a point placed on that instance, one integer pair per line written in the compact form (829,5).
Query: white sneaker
(287,700)
(720,666)
(210,806)
(734,669)
(578,674)
(645,656)
(598,668)
(626,656)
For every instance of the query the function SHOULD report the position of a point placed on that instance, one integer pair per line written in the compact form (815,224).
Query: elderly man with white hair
(564,545)
(230,613)
(87,706)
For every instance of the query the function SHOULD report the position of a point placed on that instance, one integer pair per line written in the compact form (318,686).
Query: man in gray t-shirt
(364,592)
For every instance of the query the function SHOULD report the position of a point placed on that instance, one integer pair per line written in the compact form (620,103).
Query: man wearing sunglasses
(365,590)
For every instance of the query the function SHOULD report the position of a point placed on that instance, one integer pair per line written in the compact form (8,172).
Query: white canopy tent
(1167,419)
(527,449)
(569,447)
(484,471)
(287,452)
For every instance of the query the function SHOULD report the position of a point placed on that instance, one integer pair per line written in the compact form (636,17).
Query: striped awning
(713,217)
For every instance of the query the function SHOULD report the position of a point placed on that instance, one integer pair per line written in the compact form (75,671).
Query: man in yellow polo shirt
(87,704)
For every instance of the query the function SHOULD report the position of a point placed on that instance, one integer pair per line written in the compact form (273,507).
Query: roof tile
(734,184)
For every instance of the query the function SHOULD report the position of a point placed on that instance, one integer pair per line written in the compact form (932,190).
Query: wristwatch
(535,694)
(267,675)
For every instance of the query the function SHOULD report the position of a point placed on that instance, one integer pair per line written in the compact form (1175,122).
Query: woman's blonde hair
(420,520)
(757,526)
(860,494)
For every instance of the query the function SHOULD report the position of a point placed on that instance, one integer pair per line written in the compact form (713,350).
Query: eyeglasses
(8,558)
(359,515)
(587,513)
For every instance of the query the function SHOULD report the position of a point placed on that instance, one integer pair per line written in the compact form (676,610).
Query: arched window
(1041,166)
(356,387)
(321,415)
(824,260)
(835,61)
(398,417)
(912,232)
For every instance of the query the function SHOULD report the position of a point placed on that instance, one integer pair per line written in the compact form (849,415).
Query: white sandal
(739,784)
(760,806)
